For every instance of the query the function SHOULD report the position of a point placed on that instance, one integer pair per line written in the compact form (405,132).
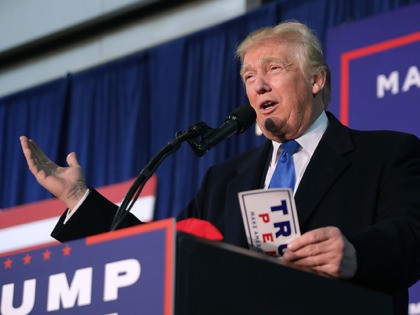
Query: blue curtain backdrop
(118,115)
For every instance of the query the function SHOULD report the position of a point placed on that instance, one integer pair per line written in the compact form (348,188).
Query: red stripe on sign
(29,249)
(348,56)
(116,192)
(46,209)
(34,211)
(138,229)
(169,270)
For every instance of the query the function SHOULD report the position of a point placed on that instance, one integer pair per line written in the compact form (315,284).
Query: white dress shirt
(308,143)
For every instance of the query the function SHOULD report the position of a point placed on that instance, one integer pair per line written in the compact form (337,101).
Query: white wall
(26,20)
(23,21)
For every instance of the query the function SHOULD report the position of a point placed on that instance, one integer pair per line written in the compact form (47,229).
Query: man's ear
(318,82)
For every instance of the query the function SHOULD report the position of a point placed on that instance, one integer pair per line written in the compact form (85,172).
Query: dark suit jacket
(366,183)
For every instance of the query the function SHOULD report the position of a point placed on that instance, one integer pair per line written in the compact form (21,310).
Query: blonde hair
(309,49)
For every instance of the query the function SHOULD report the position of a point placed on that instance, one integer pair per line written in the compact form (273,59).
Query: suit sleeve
(94,216)
(388,251)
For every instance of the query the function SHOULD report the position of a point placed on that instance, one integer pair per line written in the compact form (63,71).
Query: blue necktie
(284,174)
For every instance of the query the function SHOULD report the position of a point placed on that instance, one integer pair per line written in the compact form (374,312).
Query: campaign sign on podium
(128,271)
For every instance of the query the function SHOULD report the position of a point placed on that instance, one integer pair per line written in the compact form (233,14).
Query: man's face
(278,89)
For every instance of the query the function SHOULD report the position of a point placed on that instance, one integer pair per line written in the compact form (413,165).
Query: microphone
(236,122)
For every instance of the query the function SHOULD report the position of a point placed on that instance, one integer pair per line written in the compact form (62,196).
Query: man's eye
(248,76)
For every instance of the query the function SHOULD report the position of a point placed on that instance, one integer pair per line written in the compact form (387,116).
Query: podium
(218,278)
(151,269)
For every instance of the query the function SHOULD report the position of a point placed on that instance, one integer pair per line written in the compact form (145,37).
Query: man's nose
(261,85)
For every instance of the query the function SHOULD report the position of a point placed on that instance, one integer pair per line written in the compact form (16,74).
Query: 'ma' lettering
(411,79)
(392,82)
(384,83)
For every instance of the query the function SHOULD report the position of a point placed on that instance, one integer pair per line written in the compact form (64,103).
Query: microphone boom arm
(144,175)
(238,121)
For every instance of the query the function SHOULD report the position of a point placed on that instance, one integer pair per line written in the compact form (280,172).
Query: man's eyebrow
(285,62)
(268,59)
(244,68)
(265,60)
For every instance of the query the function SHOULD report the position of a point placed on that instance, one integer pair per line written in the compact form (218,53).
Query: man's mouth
(267,105)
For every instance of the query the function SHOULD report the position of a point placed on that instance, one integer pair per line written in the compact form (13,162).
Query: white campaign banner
(30,225)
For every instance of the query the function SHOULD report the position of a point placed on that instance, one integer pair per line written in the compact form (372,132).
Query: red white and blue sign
(375,68)
(128,271)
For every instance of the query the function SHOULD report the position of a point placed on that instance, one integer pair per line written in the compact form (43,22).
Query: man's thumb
(72,159)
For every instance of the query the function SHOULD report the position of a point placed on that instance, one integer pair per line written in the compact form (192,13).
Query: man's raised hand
(66,183)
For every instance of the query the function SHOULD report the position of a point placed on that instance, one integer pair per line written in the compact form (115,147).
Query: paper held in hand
(270,219)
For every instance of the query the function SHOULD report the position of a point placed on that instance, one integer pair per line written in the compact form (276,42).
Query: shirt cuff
(71,212)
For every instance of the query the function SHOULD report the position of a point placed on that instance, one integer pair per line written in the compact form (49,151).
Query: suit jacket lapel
(330,159)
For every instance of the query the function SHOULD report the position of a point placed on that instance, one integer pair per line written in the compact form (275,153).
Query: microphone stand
(200,147)
(134,192)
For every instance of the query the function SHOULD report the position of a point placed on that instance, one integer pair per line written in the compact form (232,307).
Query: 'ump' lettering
(62,294)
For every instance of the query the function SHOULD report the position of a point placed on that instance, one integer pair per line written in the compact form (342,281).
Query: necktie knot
(290,146)
(284,174)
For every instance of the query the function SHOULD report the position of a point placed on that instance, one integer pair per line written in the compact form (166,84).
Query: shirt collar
(311,137)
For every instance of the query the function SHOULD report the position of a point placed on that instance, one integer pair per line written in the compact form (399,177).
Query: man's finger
(37,152)
(310,250)
(311,237)
(72,159)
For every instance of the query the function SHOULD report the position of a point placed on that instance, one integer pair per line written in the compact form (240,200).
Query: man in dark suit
(357,193)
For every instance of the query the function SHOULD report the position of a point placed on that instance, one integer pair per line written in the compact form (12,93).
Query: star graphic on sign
(27,259)
(8,263)
(46,255)
(66,250)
